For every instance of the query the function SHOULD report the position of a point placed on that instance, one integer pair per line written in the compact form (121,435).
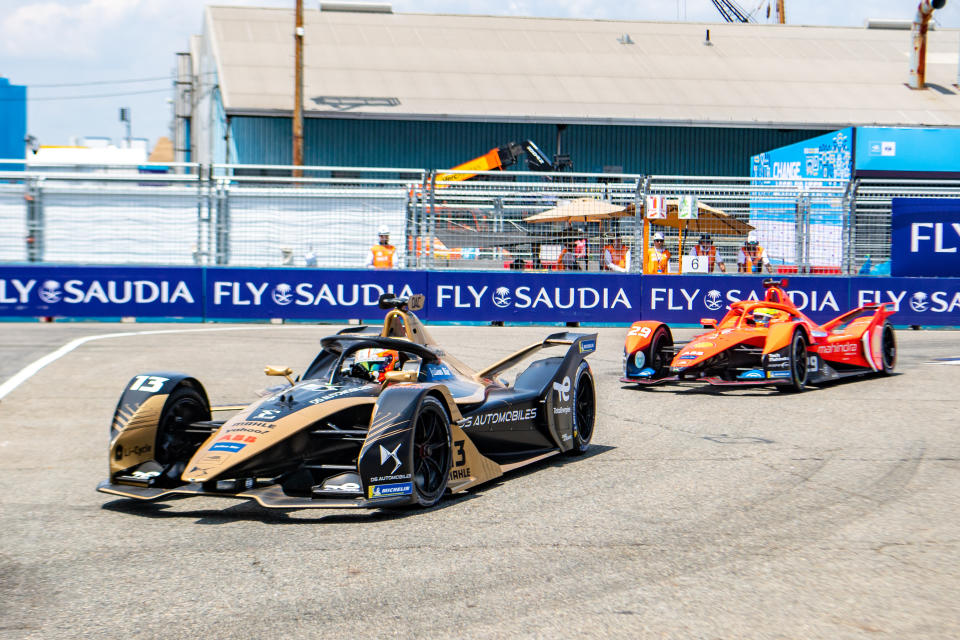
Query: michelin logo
(385,490)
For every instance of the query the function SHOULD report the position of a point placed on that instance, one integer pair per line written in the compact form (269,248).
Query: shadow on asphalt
(249,510)
(702,388)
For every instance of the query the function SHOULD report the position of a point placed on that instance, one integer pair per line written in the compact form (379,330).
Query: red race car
(765,342)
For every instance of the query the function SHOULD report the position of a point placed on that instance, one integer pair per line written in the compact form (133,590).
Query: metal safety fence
(272,216)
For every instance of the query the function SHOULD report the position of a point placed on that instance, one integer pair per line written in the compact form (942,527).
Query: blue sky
(67,42)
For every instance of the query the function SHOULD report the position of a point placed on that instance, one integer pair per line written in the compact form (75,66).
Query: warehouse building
(385,89)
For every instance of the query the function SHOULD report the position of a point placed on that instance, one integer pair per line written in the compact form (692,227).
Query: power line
(99,82)
(94,95)
(96,82)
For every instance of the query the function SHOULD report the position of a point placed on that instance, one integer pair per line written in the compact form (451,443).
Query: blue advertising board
(219,293)
(101,292)
(907,151)
(829,156)
(541,297)
(929,302)
(925,237)
(687,299)
(318,294)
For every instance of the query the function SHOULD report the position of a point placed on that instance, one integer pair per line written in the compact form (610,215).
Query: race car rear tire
(175,444)
(584,410)
(888,348)
(798,363)
(432,452)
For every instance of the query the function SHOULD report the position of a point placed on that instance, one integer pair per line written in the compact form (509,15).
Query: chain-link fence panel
(328,218)
(13,223)
(522,220)
(872,209)
(744,225)
(115,223)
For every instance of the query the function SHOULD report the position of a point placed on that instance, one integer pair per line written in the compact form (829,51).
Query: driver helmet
(763,316)
(377,361)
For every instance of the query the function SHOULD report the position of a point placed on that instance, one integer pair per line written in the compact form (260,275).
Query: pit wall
(225,293)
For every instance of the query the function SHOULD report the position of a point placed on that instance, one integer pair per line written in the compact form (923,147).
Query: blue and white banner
(308,294)
(917,301)
(907,151)
(101,292)
(925,237)
(216,293)
(524,297)
(687,299)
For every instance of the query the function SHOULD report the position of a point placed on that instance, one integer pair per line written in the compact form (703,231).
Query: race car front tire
(431,452)
(175,442)
(659,359)
(798,363)
(584,410)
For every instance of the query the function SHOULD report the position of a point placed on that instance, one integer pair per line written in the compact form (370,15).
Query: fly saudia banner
(223,293)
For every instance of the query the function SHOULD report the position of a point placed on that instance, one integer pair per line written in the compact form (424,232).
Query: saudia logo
(15,291)
(501,297)
(919,301)
(302,294)
(50,292)
(283,294)
(713,300)
(663,297)
(470,297)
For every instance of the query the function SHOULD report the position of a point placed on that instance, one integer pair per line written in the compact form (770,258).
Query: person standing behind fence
(658,256)
(382,254)
(706,248)
(752,258)
(616,255)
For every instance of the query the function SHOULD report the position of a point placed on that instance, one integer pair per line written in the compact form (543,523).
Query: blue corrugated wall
(13,120)
(441,145)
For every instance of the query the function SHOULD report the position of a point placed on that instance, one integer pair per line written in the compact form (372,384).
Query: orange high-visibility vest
(752,256)
(711,254)
(617,256)
(657,261)
(383,256)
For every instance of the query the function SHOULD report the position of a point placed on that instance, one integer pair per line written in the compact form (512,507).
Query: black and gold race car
(381,417)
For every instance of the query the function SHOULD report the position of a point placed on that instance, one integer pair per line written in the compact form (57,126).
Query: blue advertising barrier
(925,237)
(917,301)
(686,299)
(101,292)
(225,293)
(303,294)
(525,297)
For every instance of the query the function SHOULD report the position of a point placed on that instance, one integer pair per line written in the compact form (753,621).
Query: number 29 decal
(643,332)
(149,384)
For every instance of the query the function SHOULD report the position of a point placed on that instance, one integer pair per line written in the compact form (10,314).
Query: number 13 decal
(150,384)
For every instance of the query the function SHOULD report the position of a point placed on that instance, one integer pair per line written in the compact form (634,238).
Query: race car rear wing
(587,344)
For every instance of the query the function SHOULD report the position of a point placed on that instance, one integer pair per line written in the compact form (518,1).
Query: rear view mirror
(399,376)
(708,323)
(272,370)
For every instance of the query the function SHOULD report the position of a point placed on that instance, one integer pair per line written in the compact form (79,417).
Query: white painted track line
(28,371)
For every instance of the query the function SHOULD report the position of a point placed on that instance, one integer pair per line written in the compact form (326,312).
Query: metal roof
(490,68)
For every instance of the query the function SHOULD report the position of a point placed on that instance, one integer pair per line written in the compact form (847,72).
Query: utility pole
(298,92)
(781,12)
